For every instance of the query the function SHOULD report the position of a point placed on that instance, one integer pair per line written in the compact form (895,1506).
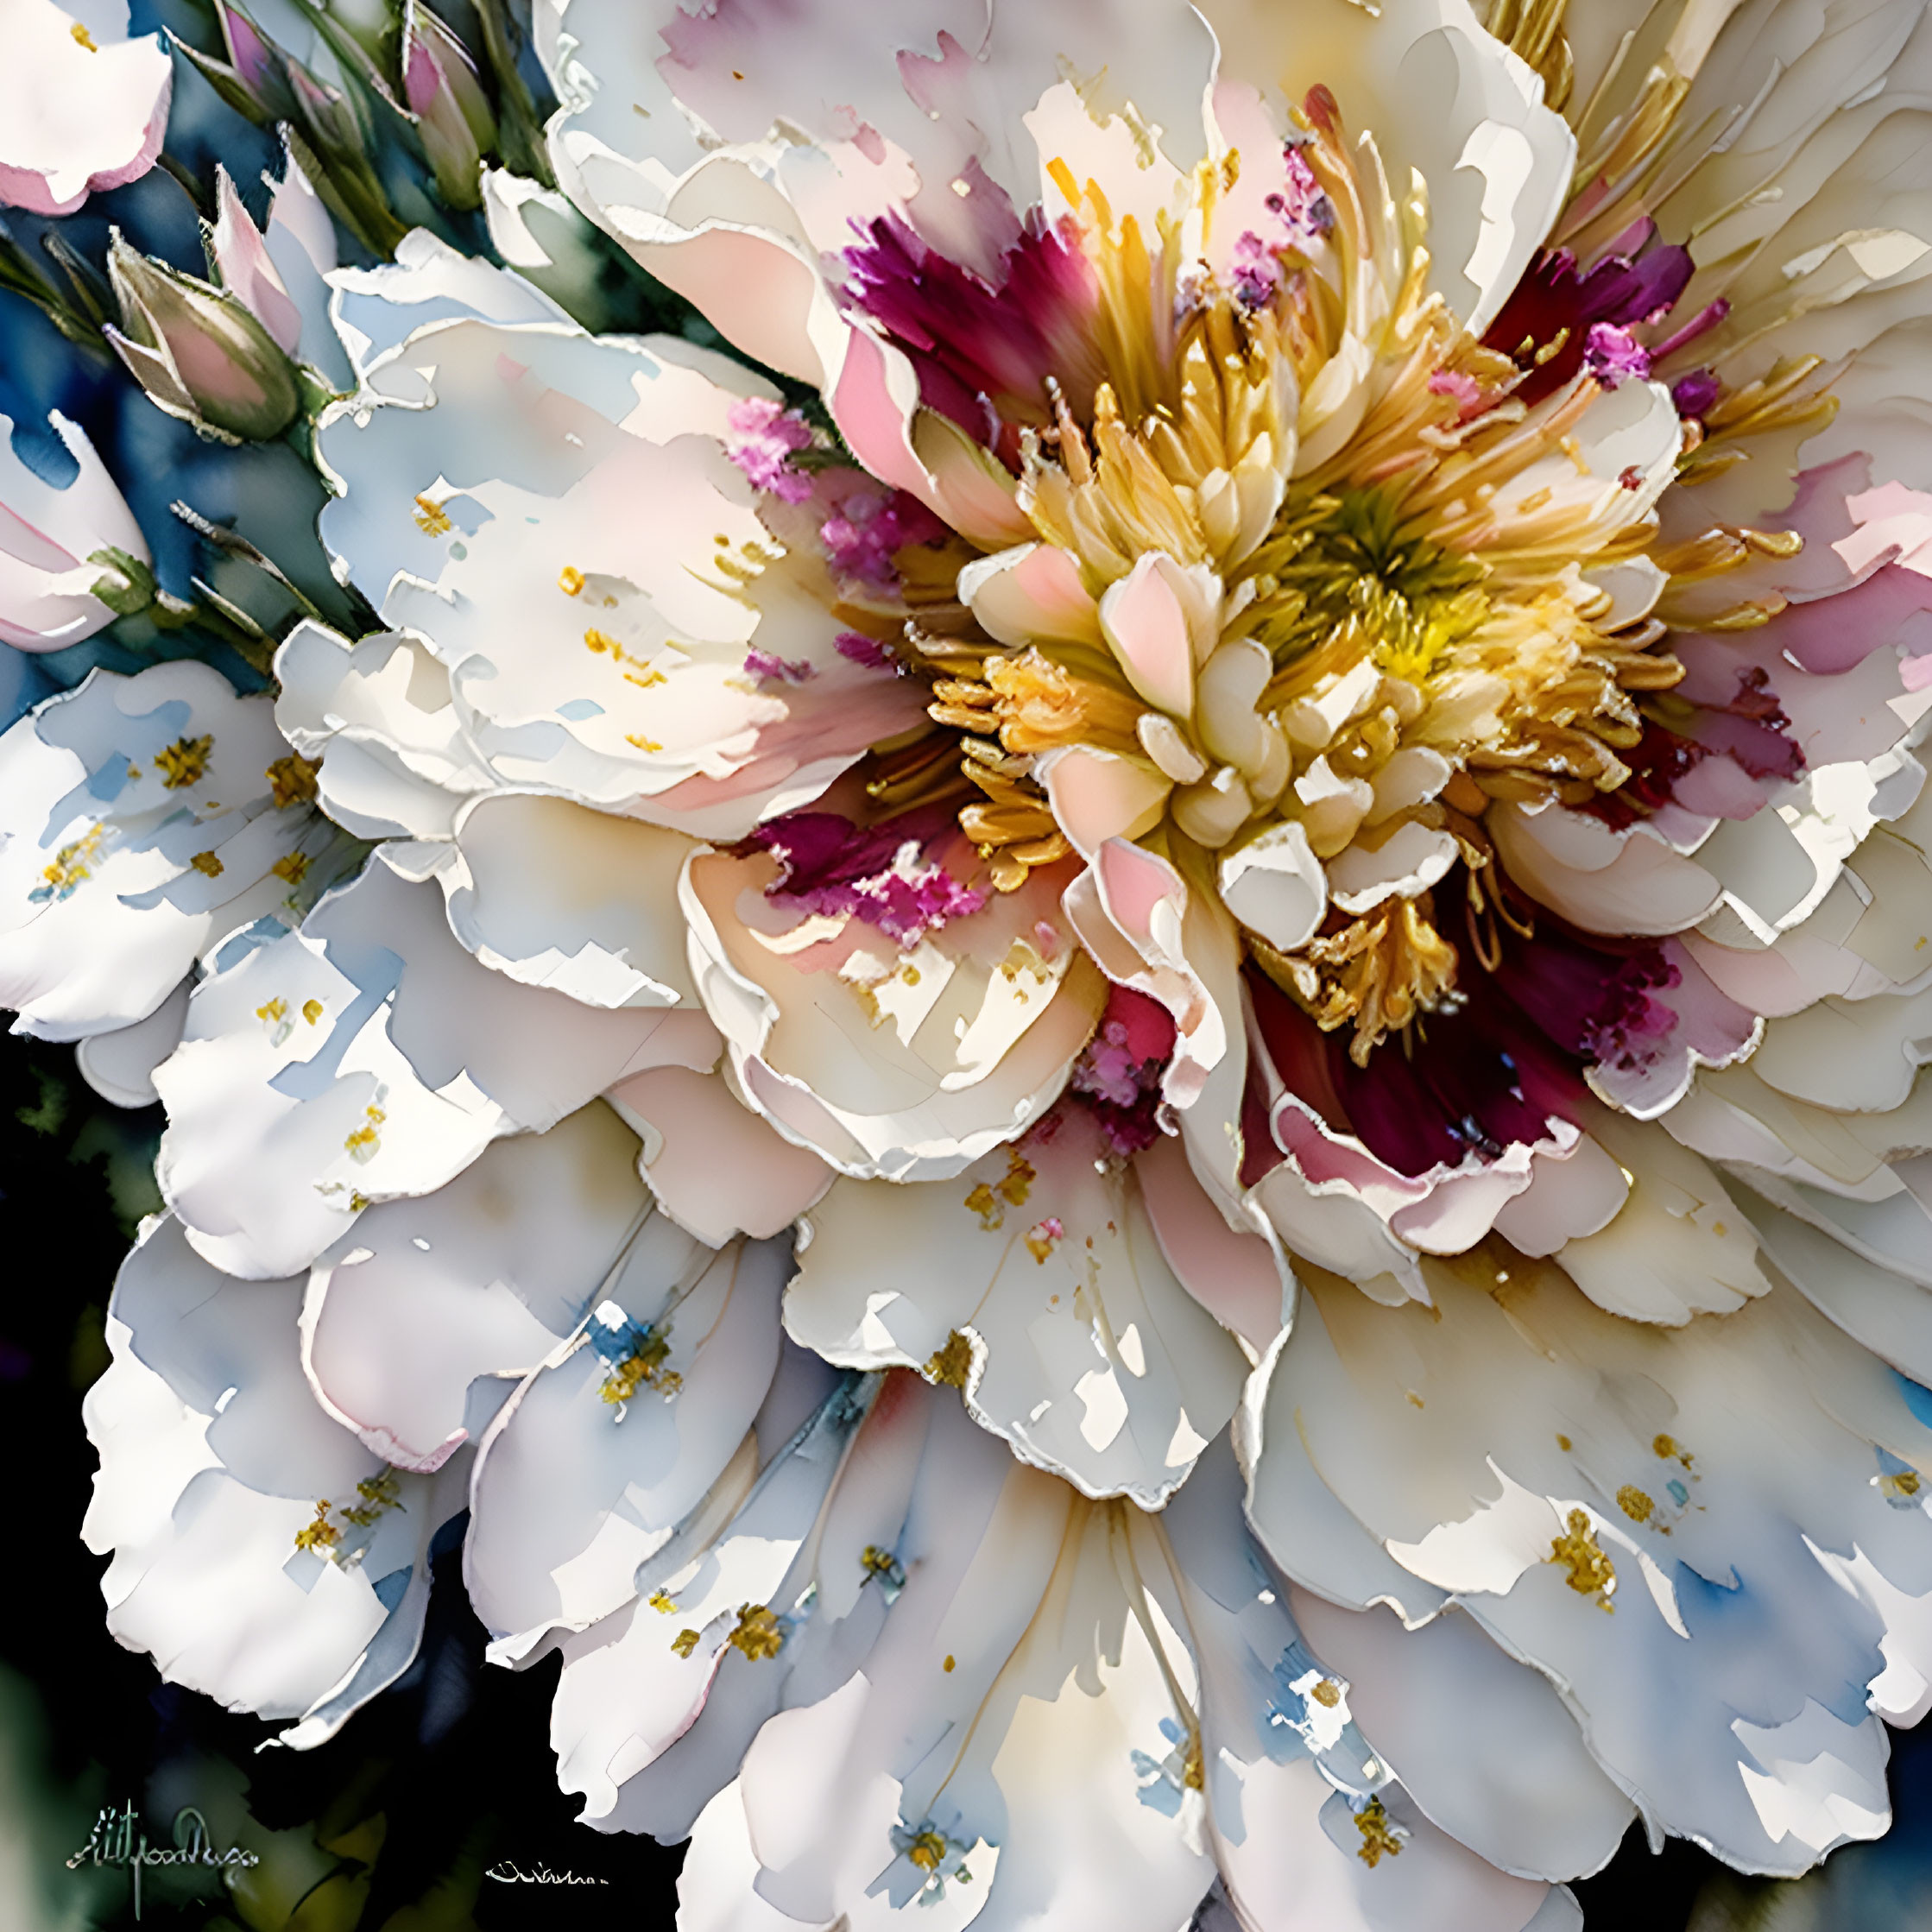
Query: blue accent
(389,1588)
(579,709)
(1918,1398)
(1679,1491)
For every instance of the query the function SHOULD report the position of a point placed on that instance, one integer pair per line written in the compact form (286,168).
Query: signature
(507,1872)
(119,1838)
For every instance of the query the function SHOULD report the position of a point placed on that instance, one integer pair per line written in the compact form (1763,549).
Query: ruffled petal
(369,1056)
(225,1495)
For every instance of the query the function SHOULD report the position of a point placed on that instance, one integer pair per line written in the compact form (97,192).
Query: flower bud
(452,114)
(197,352)
(253,80)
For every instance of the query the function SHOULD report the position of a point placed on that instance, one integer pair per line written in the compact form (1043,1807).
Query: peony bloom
(82,106)
(1140,1120)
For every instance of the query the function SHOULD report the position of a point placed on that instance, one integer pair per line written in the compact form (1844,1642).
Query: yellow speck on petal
(1670,1447)
(950,1663)
(662,1603)
(292,779)
(759,1633)
(1900,1483)
(927,1850)
(84,37)
(1378,1840)
(1591,1572)
(949,1366)
(321,1535)
(312,1011)
(1634,1503)
(602,640)
(273,1011)
(1564,1444)
(432,519)
(379,1496)
(363,1143)
(570,581)
(1327,1694)
(649,745)
(291,866)
(207,863)
(184,761)
(685,1642)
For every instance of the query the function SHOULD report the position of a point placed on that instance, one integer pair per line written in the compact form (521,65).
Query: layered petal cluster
(1141,1117)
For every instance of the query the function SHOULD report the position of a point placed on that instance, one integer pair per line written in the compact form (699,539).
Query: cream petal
(1440,97)
(369,1056)
(1275,885)
(1099,795)
(213,1453)
(1087,1352)
(409,1327)
(905,1066)
(546,508)
(1029,594)
(140,828)
(1147,625)
(556,895)
(378,717)
(1602,881)
(716,1168)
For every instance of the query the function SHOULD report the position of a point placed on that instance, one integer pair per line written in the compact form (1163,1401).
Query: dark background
(393,1826)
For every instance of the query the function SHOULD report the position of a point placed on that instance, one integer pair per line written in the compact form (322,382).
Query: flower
(1146,1101)
(82,105)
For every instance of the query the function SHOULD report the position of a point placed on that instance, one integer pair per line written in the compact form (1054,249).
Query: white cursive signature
(507,1872)
(119,1838)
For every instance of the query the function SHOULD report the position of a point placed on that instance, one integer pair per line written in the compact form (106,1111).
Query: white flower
(81,106)
(1308,824)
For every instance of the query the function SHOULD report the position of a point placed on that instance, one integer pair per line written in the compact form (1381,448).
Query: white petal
(369,1056)
(1088,1356)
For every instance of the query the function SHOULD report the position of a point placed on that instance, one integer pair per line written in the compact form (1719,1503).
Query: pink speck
(1119,1076)
(764,437)
(768,664)
(1614,355)
(1047,938)
(1256,271)
(1458,383)
(866,651)
(869,530)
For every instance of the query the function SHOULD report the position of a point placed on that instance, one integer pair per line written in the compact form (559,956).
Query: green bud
(197,352)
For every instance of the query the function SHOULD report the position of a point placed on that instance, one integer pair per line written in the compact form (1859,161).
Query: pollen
(321,1535)
(685,1642)
(184,762)
(759,1634)
(208,864)
(643,1368)
(1638,1507)
(1591,1572)
(364,1143)
(927,1850)
(292,780)
(570,581)
(949,1366)
(292,866)
(1327,1693)
(312,1011)
(379,1496)
(660,1602)
(432,519)
(1380,1838)
(83,38)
